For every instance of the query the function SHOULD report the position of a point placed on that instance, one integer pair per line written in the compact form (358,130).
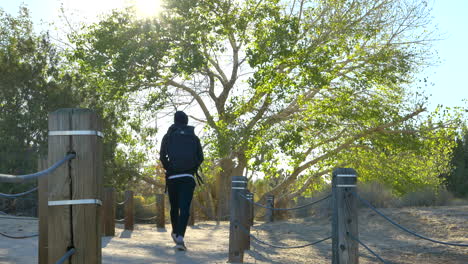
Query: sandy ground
(208,242)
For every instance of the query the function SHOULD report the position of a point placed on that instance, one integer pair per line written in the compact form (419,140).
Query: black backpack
(182,150)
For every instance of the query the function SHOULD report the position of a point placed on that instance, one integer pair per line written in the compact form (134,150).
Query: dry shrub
(377,194)
(427,196)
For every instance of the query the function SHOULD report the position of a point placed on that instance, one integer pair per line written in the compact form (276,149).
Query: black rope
(18,237)
(404,228)
(7,195)
(146,219)
(21,178)
(243,229)
(66,256)
(122,203)
(368,249)
(284,209)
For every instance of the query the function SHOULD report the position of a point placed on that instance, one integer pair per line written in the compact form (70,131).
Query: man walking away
(181,155)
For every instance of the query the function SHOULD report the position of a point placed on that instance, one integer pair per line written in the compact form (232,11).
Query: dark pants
(180,197)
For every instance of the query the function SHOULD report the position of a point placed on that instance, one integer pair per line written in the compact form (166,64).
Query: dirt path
(208,242)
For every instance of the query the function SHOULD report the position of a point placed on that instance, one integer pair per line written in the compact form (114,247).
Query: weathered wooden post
(74,191)
(345,218)
(160,211)
(191,221)
(270,214)
(129,211)
(237,229)
(108,212)
(42,205)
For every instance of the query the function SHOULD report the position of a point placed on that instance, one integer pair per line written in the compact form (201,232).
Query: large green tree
(31,86)
(457,179)
(286,89)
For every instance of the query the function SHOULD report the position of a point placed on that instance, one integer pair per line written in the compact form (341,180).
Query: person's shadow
(126,234)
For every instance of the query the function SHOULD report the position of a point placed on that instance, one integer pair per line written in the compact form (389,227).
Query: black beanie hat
(180,118)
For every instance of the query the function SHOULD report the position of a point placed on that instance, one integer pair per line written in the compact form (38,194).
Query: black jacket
(163,152)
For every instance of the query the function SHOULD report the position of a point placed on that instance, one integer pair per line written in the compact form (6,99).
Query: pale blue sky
(449,76)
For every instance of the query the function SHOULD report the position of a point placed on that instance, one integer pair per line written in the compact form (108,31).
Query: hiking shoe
(179,239)
(181,246)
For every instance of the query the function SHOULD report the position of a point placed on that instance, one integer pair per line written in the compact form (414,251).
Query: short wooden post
(129,210)
(237,217)
(75,191)
(191,221)
(345,218)
(160,211)
(108,211)
(42,205)
(270,214)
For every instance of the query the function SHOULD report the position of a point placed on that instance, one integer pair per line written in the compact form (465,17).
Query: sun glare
(147,8)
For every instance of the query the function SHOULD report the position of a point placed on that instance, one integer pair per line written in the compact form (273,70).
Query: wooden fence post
(129,210)
(270,214)
(42,205)
(237,236)
(160,211)
(191,221)
(345,218)
(75,191)
(108,212)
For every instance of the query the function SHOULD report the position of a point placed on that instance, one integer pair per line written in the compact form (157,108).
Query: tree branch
(199,100)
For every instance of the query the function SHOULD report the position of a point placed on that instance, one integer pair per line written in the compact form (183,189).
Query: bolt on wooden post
(75,191)
(129,210)
(345,218)
(237,214)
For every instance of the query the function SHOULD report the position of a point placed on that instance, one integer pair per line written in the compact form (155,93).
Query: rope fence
(284,209)
(368,249)
(18,237)
(243,229)
(72,133)
(147,219)
(368,204)
(345,235)
(124,201)
(21,178)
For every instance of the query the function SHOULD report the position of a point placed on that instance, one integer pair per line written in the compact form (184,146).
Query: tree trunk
(223,186)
